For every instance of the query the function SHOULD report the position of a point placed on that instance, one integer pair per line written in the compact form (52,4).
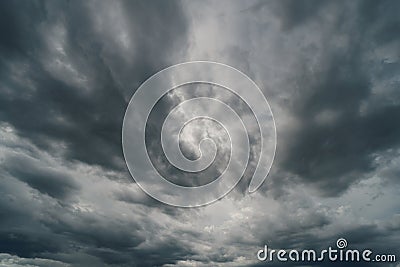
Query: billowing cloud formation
(330,71)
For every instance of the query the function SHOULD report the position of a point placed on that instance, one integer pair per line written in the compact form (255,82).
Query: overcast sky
(329,69)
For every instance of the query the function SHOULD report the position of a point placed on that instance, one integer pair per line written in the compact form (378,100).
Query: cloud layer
(330,71)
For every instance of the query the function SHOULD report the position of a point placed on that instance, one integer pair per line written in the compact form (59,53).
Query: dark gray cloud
(333,144)
(67,71)
(330,71)
(48,181)
(61,48)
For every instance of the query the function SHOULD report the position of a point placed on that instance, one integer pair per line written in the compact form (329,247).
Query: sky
(329,69)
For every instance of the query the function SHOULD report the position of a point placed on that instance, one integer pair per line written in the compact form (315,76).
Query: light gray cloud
(7,260)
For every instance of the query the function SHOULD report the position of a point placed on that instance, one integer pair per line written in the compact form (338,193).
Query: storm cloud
(329,69)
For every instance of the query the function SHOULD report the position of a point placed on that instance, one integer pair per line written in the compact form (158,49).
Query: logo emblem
(152,90)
